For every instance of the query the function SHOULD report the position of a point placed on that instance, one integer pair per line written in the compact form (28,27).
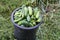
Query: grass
(49,30)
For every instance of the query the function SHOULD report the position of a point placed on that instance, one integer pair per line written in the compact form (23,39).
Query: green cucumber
(25,10)
(28,18)
(30,10)
(38,14)
(39,19)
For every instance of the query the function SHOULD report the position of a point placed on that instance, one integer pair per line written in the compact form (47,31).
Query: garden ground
(49,30)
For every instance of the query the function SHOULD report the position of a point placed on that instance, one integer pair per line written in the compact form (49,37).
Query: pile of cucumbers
(27,16)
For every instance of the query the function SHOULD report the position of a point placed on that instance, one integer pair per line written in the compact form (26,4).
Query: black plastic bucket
(24,33)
